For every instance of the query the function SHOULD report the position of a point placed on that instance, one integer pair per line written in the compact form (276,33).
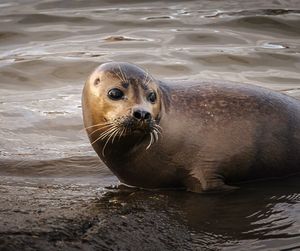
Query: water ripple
(48,48)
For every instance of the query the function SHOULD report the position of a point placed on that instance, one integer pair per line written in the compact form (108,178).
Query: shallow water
(48,48)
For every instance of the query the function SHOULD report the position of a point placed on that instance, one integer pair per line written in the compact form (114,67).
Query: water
(52,184)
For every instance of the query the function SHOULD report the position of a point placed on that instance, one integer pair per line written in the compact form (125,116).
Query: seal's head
(121,100)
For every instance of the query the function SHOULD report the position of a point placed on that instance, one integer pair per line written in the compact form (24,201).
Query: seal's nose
(141,114)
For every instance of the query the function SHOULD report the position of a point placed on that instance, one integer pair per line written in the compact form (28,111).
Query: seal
(202,136)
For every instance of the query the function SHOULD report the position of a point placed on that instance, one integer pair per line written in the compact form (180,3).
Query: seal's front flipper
(221,188)
(215,185)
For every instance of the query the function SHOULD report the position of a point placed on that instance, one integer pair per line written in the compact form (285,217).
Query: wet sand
(72,217)
(53,193)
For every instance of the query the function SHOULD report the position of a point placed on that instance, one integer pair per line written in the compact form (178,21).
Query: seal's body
(202,136)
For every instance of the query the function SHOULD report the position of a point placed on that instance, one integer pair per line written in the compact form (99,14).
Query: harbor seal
(202,136)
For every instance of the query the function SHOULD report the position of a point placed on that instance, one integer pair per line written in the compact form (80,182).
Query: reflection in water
(52,183)
(248,218)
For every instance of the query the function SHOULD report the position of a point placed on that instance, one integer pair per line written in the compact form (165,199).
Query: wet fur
(214,133)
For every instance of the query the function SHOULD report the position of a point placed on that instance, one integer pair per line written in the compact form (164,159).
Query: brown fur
(214,134)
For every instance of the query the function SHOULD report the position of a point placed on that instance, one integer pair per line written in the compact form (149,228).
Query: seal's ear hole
(97,82)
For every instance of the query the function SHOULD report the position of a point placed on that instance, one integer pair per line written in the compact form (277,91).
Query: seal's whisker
(106,123)
(103,135)
(158,132)
(113,131)
(158,126)
(125,76)
(155,136)
(120,135)
(110,135)
(115,134)
(96,139)
(158,129)
(124,79)
(151,140)
(115,72)
(146,77)
(125,130)
(148,81)
(108,132)
(103,150)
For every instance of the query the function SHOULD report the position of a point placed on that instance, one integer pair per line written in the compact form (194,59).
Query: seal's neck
(164,90)
(121,148)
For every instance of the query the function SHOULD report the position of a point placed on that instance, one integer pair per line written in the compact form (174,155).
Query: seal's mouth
(125,127)
(148,127)
(144,126)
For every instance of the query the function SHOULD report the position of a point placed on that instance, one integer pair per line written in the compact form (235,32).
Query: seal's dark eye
(152,97)
(115,94)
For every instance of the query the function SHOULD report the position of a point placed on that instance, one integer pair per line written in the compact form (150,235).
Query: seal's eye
(115,94)
(151,97)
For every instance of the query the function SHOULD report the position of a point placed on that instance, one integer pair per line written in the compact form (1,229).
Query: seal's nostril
(137,114)
(147,116)
(141,115)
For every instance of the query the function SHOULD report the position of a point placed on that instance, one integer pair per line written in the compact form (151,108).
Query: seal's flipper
(196,187)
(207,185)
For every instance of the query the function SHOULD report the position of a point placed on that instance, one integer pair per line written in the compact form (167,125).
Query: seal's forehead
(127,73)
(121,67)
